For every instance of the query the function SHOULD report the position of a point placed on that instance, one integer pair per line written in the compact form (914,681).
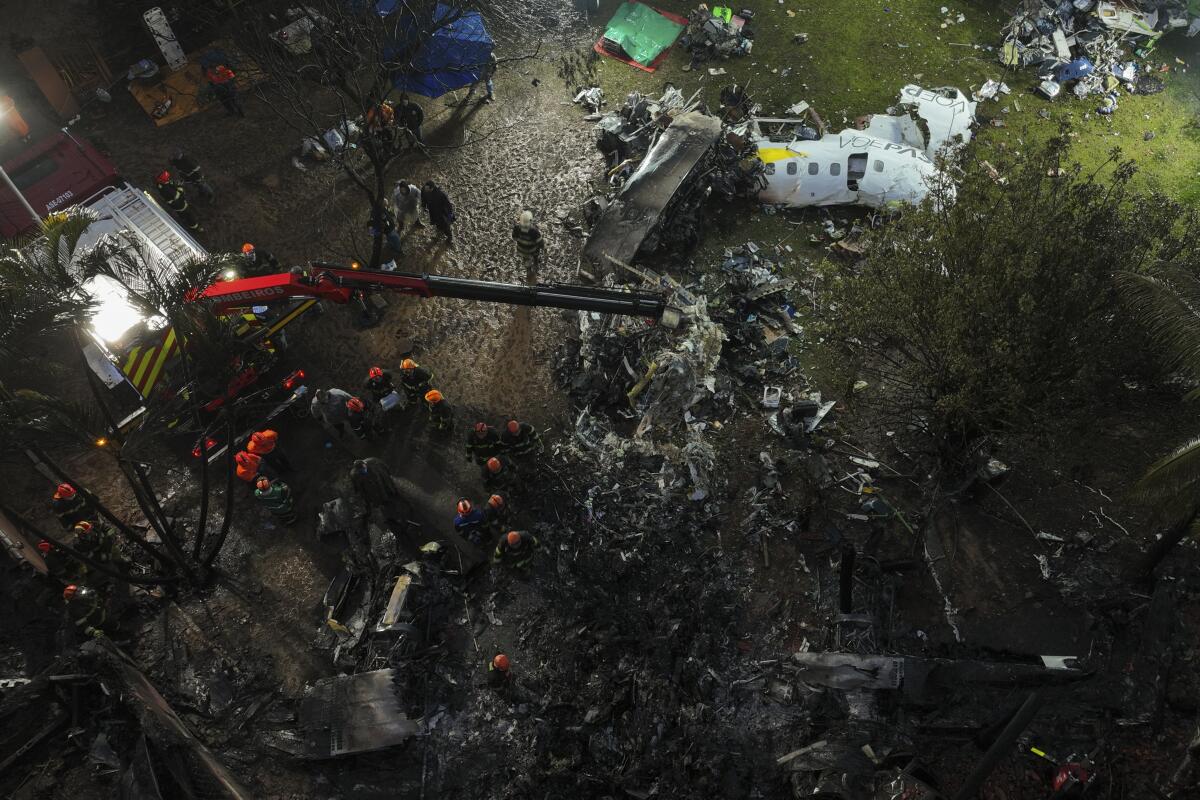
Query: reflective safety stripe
(165,351)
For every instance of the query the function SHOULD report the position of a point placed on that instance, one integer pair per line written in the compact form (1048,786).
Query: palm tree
(1166,299)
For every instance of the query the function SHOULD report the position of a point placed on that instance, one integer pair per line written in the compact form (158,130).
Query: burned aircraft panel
(354,714)
(644,198)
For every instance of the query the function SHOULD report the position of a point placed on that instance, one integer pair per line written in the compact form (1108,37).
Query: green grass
(858,56)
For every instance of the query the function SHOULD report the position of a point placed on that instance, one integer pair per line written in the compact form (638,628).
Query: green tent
(641,32)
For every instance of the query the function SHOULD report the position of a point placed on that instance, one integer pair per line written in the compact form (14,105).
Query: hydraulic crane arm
(338,284)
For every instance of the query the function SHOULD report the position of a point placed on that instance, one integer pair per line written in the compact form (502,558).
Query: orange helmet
(496,501)
(433,396)
(514,427)
(481,427)
(501,662)
(374,372)
(493,464)
(163,177)
(464,506)
(513,538)
(408,363)
(247,248)
(83,526)
(64,490)
(354,404)
(43,546)
(70,591)
(263,484)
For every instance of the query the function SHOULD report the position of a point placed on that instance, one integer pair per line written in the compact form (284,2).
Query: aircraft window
(857,167)
(814,168)
(878,165)
(770,169)
(835,168)
(791,169)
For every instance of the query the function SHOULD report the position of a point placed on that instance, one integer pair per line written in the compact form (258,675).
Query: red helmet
(70,591)
(374,372)
(493,464)
(496,501)
(163,177)
(247,248)
(263,484)
(481,427)
(83,526)
(64,490)
(464,506)
(44,546)
(513,538)
(514,427)
(501,662)
(354,404)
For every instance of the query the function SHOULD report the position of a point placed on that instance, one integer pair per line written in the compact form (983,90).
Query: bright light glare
(230,275)
(114,314)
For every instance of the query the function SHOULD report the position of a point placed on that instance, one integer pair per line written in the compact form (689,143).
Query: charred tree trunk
(230,470)
(1144,568)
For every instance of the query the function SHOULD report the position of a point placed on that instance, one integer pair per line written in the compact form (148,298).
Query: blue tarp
(450,59)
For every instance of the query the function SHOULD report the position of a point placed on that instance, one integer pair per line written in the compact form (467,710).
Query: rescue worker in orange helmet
(259,261)
(499,672)
(469,522)
(362,418)
(516,549)
(223,83)
(499,471)
(519,438)
(86,609)
(414,378)
(70,506)
(496,514)
(441,415)
(265,443)
(379,383)
(483,442)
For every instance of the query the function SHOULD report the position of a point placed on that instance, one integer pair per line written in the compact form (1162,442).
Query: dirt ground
(531,149)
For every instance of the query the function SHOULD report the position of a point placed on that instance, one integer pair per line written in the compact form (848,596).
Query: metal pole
(12,187)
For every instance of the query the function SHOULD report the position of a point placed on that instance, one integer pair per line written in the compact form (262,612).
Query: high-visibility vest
(723,13)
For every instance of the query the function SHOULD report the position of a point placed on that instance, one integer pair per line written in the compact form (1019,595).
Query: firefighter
(516,549)
(96,541)
(411,116)
(500,673)
(519,438)
(414,378)
(379,383)
(249,466)
(86,608)
(193,177)
(482,442)
(439,208)
(496,514)
(469,522)
(223,82)
(70,506)
(265,443)
(381,122)
(172,194)
(362,419)
(276,497)
(373,481)
(530,244)
(441,415)
(59,565)
(499,471)
(259,261)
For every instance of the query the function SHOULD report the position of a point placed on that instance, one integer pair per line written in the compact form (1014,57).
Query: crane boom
(338,284)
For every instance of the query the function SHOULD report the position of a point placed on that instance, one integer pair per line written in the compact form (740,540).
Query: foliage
(991,305)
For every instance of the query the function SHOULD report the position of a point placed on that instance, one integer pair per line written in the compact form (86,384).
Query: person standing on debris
(482,442)
(223,82)
(441,415)
(70,506)
(499,673)
(172,194)
(193,177)
(86,610)
(379,383)
(469,522)
(329,407)
(439,208)
(411,117)
(519,439)
(362,419)
(276,497)
(515,549)
(265,443)
(259,261)
(530,244)
(500,471)
(406,200)
(415,379)
(496,514)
